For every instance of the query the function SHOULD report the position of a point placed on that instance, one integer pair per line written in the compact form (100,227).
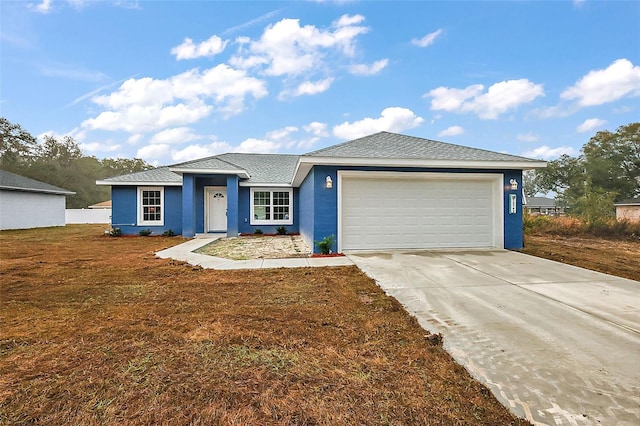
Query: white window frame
(141,221)
(272,221)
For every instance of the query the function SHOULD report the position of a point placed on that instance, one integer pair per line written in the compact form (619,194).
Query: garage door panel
(388,213)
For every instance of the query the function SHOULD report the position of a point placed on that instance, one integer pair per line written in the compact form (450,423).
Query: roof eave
(305,163)
(136,183)
(42,191)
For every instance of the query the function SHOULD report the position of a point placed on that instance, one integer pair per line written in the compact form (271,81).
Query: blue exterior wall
(513,238)
(324,220)
(244,214)
(233,218)
(306,208)
(124,214)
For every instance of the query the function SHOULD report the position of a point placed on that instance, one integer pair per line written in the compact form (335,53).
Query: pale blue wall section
(124,201)
(188,205)
(306,208)
(232,206)
(513,229)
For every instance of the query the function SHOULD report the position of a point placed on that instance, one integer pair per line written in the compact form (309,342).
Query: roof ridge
(310,154)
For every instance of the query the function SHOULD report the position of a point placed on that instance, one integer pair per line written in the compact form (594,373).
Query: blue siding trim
(306,208)
(326,206)
(124,201)
(513,229)
(188,205)
(232,205)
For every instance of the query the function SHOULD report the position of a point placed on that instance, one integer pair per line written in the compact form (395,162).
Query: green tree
(16,145)
(607,170)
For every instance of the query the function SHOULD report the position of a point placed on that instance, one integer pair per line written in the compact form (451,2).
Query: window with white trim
(271,206)
(151,206)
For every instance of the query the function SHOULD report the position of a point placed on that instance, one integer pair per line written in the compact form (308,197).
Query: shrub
(115,232)
(145,232)
(257,231)
(169,233)
(325,244)
(569,226)
(281,230)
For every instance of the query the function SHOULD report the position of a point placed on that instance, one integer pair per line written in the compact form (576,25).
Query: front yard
(97,330)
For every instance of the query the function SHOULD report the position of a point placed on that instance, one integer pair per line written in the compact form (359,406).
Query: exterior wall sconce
(328,183)
(514,184)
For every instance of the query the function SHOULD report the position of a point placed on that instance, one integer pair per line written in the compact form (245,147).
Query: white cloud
(146,104)
(44,7)
(364,69)
(311,87)
(134,139)
(280,134)
(618,80)
(262,146)
(317,128)
(154,152)
(528,137)
(175,135)
(286,48)
(193,152)
(427,40)
(98,147)
(548,153)
(498,99)
(452,131)
(578,3)
(591,124)
(189,50)
(393,119)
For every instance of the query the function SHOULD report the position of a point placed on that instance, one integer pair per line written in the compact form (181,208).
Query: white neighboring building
(28,203)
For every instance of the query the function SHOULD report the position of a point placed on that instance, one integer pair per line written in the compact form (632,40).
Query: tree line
(606,171)
(59,161)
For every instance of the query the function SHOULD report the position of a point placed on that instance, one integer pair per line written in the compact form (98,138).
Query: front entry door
(216,203)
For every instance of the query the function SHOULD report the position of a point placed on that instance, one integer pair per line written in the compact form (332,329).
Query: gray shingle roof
(265,168)
(210,163)
(16,182)
(540,202)
(386,145)
(159,175)
(629,201)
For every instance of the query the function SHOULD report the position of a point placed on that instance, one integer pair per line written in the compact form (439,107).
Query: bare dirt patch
(257,247)
(615,257)
(97,330)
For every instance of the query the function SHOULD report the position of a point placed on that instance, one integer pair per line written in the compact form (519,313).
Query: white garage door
(420,211)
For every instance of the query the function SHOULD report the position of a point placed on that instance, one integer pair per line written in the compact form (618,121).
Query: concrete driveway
(555,343)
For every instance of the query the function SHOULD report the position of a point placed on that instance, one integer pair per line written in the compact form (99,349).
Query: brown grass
(96,330)
(620,258)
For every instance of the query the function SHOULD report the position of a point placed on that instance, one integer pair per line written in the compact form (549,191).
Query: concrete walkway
(184,252)
(556,344)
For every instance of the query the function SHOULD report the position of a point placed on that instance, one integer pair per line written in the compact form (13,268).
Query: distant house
(543,206)
(29,203)
(628,210)
(101,205)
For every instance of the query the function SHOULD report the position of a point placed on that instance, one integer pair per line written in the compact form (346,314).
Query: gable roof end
(158,176)
(13,182)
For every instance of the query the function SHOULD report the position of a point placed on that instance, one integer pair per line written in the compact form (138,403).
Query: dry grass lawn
(96,330)
(615,257)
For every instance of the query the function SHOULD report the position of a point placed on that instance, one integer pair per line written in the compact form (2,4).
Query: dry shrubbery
(569,226)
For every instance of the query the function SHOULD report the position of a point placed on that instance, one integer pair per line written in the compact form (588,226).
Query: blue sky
(169,81)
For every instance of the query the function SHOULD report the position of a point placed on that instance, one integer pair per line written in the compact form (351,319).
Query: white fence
(72,216)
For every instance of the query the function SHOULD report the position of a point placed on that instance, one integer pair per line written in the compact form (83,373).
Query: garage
(394,210)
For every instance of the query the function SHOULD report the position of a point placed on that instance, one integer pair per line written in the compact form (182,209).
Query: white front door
(216,209)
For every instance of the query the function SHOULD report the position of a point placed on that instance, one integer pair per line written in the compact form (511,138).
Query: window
(271,207)
(151,206)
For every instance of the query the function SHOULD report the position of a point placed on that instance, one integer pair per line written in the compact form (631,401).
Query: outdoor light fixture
(328,183)
(514,184)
